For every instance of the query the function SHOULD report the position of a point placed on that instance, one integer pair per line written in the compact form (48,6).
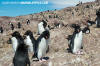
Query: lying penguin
(76,41)
(42,46)
(29,40)
(90,23)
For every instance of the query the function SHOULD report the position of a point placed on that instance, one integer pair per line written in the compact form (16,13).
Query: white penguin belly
(29,43)
(77,42)
(40,29)
(96,22)
(14,43)
(42,48)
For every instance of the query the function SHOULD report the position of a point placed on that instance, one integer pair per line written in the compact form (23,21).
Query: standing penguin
(19,25)
(28,22)
(12,26)
(42,46)
(69,40)
(16,39)
(21,57)
(76,41)
(29,40)
(1,30)
(98,19)
(41,27)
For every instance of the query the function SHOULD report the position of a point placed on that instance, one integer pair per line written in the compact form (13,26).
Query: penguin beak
(79,30)
(46,37)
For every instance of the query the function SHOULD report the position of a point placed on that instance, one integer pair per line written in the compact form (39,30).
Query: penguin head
(16,37)
(46,34)
(77,28)
(28,20)
(86,30)
(73,25)
(28,33)
(16,34)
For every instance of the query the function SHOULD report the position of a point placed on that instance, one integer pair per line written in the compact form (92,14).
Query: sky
(25,7)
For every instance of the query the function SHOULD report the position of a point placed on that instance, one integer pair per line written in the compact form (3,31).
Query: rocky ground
(58,54)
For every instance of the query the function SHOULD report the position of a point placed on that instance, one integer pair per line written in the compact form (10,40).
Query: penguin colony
(22,45)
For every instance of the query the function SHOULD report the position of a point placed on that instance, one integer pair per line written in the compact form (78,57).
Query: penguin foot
(40,61)
(43,60)
(79,52)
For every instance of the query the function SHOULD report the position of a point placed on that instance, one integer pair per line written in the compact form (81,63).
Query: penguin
(12,26)
(86,30)
(69,39)
(29,40)
(42,46)
(41,27)
(73,25)
(90,23)
(1,30)
(21,57)
(19,25)
(57,25)
(76,41)
(16,39)
(98,19)
(28,22)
